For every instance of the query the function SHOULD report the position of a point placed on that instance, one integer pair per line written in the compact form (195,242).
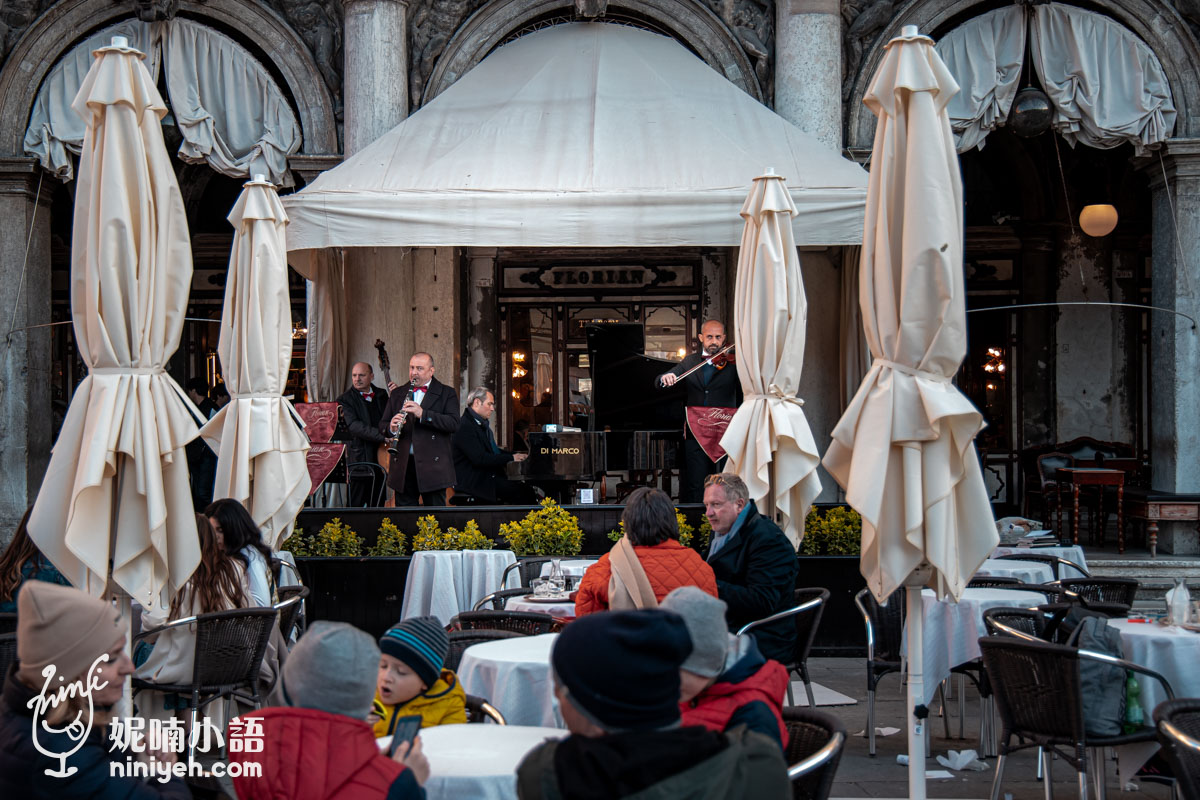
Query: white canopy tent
(579,135)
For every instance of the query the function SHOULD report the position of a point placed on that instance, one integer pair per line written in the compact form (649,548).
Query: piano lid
(625,391)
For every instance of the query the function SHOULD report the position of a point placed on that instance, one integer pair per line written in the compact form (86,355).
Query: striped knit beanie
(420,642)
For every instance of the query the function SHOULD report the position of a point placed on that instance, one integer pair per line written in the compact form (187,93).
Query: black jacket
(23,767)
(723,388)
(367,436)
(477,466)
(430,437)
(756,576)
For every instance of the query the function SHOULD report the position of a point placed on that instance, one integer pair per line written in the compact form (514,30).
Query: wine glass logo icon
(75,729)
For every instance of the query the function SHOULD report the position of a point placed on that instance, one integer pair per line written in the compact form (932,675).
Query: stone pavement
(860,775)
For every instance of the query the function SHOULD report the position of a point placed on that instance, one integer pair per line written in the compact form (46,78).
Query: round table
(514,676)
(1171,651)
(478,761)
(572,569)
(1024,571)
(441,583)
(558,608)
(1072,553)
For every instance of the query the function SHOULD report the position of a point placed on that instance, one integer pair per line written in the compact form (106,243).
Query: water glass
(541,587)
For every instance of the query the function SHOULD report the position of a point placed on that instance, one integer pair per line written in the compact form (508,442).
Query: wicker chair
(229,651)
(531,567)
(480,710)
(1038,694)
(496,600)
(993,582)
(290,606)
(8,652)
(1056,563)
(809,605)
(1028,621)
(885,630)
(1121,591)
(524,623)
(461,640)
(814,748)
(8,622)
(1179,734)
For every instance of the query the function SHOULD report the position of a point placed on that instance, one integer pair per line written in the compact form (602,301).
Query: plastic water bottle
(1134,718)
(1181,603)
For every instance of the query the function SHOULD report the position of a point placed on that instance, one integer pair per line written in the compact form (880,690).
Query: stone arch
(1155,23)
(690,23)
(55,32)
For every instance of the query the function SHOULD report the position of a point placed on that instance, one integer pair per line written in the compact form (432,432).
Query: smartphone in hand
(406,730)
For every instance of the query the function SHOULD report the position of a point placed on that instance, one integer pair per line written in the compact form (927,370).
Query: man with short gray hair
(479,463)
(754,562)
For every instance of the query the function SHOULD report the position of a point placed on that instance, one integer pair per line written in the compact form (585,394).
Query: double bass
(385,366)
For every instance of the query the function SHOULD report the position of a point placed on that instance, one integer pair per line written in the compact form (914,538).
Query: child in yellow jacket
(412,680)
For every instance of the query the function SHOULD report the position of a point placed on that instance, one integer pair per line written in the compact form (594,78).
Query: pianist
(479,463)
(709,386)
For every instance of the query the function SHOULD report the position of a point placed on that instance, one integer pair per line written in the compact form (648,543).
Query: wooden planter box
(842,632)
(366,592)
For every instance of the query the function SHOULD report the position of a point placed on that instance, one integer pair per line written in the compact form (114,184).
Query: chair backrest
(461,640)
(480,710)
(8,652)
(992,582)
(814,748)
(1179,734)
(1048,464)
(1036,686)
(8,622)
(528,568)
(1028,621)
(519,622)
(1054,562)
(1122,591)
(230,646)
(885,623)
(291,599)
(496,600)
(377,474)
(807,621)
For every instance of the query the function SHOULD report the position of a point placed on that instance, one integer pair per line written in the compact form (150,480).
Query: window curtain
(985,56)
(55,131)
(326,370)
(229,110)
(1106,85)
(854,355)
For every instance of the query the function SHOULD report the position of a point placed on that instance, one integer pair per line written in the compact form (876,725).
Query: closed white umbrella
(117,486)
(768,440)
(904,449)
(258,437)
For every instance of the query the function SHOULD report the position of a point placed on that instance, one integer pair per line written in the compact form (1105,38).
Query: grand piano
(634,425)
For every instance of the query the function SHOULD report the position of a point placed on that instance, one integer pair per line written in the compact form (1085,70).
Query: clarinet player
(421,418)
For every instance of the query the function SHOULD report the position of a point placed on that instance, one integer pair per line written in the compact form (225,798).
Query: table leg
(1120,518)
(1075,514)
(1058,510)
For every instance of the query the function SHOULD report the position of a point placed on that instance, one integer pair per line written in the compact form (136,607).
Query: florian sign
(583,278)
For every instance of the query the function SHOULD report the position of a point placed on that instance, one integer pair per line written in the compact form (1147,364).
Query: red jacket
(668,566)
(314,755)
(714,707)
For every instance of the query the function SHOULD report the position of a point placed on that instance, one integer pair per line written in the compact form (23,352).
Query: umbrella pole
(917,732)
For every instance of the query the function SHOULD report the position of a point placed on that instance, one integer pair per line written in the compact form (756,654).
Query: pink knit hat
(62,626)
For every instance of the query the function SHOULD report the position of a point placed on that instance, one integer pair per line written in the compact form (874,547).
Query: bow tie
(368,396)
(419,389)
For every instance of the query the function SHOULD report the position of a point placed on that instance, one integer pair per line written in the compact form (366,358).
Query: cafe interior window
(531,365)
(666,332)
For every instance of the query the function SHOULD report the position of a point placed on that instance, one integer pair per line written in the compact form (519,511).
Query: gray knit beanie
(332,668)
(704,616)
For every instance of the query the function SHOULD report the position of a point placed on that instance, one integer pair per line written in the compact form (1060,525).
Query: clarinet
(394,442)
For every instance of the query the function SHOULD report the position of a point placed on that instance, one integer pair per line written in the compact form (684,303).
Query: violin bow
(720,352)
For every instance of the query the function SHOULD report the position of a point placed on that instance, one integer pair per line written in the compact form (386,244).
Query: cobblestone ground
(861,775)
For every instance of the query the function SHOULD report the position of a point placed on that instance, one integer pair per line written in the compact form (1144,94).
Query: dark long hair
(19,551)
(238,529)
(216,584)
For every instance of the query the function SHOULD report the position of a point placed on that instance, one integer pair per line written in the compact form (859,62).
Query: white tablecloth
(514,676)
(1024,571)
(1170,651)
(1073,553)
(559,608)
(478,761)
(952,630)
(574,568)
(441,583)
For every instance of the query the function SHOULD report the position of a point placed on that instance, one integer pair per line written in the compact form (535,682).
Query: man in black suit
(362,409)
(201,460)
(478,460)
(427,420)
(754,563)
(708,386)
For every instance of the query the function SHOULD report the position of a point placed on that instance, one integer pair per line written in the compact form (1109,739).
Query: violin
(724,358)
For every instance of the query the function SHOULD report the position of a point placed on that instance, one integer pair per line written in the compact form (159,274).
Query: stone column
(25,424)
(1174,342)
(808,67)
(376,70)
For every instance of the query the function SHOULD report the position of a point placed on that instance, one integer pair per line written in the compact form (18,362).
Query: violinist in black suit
(362,409)
(425,412)
(711,385)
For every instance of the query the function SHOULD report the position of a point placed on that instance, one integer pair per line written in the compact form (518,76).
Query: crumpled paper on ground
(960,760)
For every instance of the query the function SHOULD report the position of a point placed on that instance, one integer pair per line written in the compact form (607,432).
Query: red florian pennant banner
(707,424)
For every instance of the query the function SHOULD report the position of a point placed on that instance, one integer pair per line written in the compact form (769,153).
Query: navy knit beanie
(622,667)
(420,642)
